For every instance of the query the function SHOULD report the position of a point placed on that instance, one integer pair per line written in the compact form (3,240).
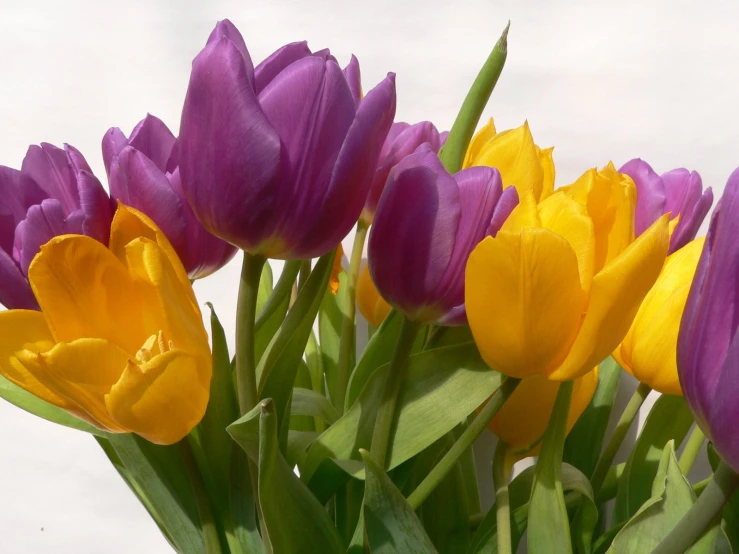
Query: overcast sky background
(598,80)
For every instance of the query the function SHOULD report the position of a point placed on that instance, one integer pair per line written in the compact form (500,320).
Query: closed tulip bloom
(54,193)
(678,192)
(426,225)
(372,306)
(521,162)
(649,350)
(708,343)
(296,148)
(524,417)
(119,341)
(556,290)
(143,173)
(402,140)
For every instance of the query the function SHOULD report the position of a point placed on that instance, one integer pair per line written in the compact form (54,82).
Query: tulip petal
(154,140)
(15,292)
(547,165)
(651,194)
(113,142)
(96,207)
(49,167)
(226,29)
(478,142)
(79,283)
(615,296)
(18,192)
(506,205)
(276,62)
(524,300)
(354,78)
(161,400)
(686,200)
(723,409)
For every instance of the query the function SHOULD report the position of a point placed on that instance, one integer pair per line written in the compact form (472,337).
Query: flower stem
(348,316)
(691,450)
(501,474)
(391,391)
(465,440)
(619,433)
(701,514)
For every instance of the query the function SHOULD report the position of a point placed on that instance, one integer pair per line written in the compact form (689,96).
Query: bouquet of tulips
(494,300)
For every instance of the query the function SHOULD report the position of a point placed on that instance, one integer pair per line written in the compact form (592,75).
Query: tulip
(524,417)
(371,305)
(402,140)
(143,173)
(426,225)
(279,160)
(119,341)
(707,347)
(556,290)
(649,350)
(54,193)
(678,192)
(521,162)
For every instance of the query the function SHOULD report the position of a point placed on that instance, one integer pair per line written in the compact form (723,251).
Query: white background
(599,80)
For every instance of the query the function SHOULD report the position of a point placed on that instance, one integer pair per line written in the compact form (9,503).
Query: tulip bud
(427,223)
(371,305)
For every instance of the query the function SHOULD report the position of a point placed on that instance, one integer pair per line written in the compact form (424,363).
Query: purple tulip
(679,192)
(279,160)
(708,344)
(426,225)
(143,173)
(54,193)
(402,140)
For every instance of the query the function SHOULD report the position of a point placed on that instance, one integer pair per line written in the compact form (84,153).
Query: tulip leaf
(302,418)
(591,427)
(297,443)
(279,364)
(389,520)
(273,312)
(440,389)
(265,287)
(671,498)
(309,403)
(296,522)
(330,319)
(731,509)
(32,404)
(245,431)
(669,419)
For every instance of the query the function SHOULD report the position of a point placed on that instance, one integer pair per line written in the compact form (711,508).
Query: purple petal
(685,197)
(354,170)
(18,192)
(15,292)
(354,78)
(113,142)
(231,187)
(93,199)
(153,138)
(442,138)
(228,30)
(266,71)
(506,203)
(723,408)
(650,193)
(52,171)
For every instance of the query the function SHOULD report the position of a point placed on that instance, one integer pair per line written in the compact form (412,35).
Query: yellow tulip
(649,350)
(119,341)
(521,162)
(524,417)
(556,290)
(371,305)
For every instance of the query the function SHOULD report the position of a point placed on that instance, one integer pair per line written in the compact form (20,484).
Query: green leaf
(265,287)
(297,443)
(279,364)
(295,521)
(272,313)
(441,388)
(301,421)
(309,403)
(669,419)
(590,428)
(671,498)
(391,524)
(26,401)
(731,510)
(329,332)
(245,431)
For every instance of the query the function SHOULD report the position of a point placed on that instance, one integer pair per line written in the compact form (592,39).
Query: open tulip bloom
(495,301)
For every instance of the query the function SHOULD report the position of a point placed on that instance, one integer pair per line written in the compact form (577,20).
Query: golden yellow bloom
(119,341)
(336,269)
(521,162)
(649,350)
(524,417)
(371,305)
(557,289)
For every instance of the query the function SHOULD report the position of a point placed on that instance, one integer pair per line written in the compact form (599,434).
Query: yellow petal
(478,142)
(524,300)
(525,214)
(86,292)
(82,371)
(333,283)
(615,296)
(162,399)
(650,346)
(371,305)
(546,160)
(524,417)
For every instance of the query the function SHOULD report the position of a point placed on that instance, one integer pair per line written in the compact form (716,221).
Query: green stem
(701,514)
(501,474)
(304,273)
(691,450)
(313,353)
(391,391)
(282,289)
(610,484)
(465,440)
(455,148)
(348,317)
(619,433)
(208,525)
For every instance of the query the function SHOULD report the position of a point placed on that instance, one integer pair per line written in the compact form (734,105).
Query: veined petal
(478,142)
(15,292)
(547,165)
(524,300)
(615,295)
(43,222)
(651,194)
(276,62)
(162,399)
(154,140)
